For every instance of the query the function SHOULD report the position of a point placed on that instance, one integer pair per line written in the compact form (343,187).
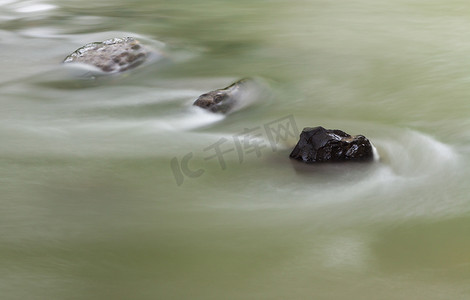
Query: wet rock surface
(330,145)
(113,55)
(224,100)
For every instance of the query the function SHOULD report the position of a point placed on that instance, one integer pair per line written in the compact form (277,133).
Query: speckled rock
(113,55)
(330,145)
(224,100)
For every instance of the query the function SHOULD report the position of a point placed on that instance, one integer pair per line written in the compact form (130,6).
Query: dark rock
(113,55)
(325,145)
(224,100)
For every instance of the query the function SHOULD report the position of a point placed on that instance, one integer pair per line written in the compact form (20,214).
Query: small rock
(112,56)
(329,145)
(224,100)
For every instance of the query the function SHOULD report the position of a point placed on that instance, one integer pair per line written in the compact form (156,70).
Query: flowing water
(110,187)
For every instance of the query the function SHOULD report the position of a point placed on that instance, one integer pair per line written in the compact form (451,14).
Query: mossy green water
(91,206)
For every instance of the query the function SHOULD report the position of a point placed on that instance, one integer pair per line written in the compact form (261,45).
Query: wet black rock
(224,100)
(329,145)
(113,55)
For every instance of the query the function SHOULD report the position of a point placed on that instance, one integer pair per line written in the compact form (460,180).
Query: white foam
(196,118)
(35,7)
(415,155)
(41,32)
(6,2)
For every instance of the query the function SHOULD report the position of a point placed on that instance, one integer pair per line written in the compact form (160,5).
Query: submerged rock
(226,99)
(329,145)
(113,55)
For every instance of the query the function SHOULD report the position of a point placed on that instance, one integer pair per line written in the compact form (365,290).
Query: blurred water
(93,208)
